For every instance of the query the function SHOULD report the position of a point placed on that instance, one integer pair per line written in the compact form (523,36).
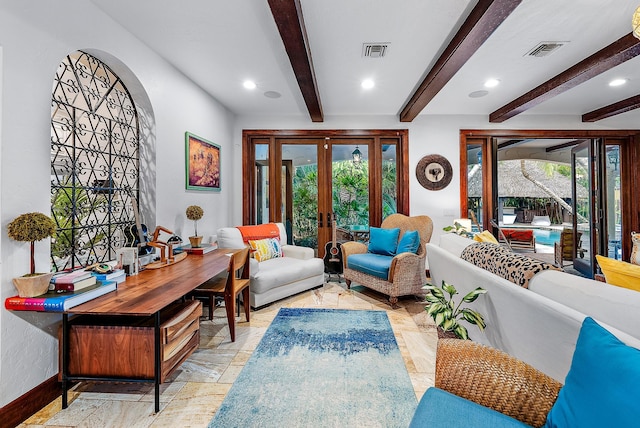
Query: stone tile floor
(195,391)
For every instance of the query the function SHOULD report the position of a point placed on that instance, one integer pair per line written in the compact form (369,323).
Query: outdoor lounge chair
(563,250)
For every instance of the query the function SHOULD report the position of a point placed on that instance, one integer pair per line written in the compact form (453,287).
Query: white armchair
(274,279)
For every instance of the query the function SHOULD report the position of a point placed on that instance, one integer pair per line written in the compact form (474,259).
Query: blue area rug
(322,368)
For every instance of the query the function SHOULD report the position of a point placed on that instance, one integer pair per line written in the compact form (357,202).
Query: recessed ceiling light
(617,82)
(249,84)
(272,94)
(478,94)
(367,84)
(491,83)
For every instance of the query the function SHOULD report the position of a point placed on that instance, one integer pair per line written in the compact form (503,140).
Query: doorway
(600,206)
(306,179)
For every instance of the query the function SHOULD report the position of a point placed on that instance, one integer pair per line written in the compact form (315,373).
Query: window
(94,162)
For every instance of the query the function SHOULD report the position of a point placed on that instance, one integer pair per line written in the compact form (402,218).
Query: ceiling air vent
(545,49)
(374,50)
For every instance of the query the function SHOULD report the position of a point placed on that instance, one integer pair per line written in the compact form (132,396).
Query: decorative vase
(195,241)
(33,285)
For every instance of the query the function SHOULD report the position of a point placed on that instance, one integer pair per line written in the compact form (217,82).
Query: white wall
(34,38)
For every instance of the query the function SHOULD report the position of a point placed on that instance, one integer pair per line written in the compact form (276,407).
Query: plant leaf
(473,295)
(461,332)
(439,319)
(437,292)
(450,289)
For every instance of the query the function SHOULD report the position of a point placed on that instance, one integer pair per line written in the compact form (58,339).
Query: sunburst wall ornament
(635,23)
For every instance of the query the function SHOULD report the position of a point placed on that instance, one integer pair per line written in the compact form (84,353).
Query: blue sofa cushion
(409,243)
(603,383)
(439,408)
(371,264)
(383,241)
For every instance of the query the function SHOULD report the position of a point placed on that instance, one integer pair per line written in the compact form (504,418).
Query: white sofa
(538,325)
(275,279)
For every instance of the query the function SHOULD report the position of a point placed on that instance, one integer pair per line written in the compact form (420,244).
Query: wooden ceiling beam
(483,20)
(623,106)
(616,53)
(288,17)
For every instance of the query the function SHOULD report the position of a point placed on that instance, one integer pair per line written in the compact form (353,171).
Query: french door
(307,180)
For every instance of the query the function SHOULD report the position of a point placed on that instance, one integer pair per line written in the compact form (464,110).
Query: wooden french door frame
(275,138)
(627,140)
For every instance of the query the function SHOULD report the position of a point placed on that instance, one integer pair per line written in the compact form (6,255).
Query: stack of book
(202,249)
(54,301)
(72,281)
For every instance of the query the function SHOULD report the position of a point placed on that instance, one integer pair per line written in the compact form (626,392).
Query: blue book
(116,273)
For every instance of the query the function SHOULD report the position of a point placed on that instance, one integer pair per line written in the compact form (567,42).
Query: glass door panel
(350,187)
(587,197)
(389,180)
(613,202)
(261,184)
(299,200)
(474,185)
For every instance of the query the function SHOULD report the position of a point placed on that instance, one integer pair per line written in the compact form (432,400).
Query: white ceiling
(219,44)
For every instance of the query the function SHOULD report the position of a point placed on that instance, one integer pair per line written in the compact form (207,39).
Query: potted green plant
(458,229)
(446,312)
(195,213)
(31,227)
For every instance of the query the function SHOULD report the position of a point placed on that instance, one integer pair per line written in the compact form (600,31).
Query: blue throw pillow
(383,241)
(603,383)
(409,243)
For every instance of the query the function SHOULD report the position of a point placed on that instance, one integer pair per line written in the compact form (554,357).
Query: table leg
(65,359)
(158,366)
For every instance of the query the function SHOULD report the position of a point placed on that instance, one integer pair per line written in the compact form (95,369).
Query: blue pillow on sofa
(603,383)
(383,241)
(409,243)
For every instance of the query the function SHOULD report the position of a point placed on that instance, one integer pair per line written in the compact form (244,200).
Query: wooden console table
(140,297)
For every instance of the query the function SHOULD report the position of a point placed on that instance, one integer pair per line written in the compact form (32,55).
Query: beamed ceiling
(439,52)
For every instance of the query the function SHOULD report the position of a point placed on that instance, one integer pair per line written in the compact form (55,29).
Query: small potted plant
(446,313)
(195,213)
(31,227)
(458,229)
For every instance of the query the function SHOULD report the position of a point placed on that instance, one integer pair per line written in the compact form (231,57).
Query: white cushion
(453,243)
(284,270)
(617,306)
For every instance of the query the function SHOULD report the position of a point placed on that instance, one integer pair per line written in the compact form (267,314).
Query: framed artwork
(202,163)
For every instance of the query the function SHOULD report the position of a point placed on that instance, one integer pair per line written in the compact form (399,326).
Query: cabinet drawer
(105,346)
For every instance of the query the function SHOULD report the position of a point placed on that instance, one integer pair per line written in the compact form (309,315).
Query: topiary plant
(195,213)
(446,313)
(31,227)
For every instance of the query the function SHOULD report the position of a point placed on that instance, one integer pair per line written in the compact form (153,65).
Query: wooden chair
(229,286)
(563,250)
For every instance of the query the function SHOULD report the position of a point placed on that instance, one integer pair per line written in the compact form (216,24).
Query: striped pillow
(265,249)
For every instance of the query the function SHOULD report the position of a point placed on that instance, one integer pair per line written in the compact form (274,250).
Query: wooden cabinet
(123,346)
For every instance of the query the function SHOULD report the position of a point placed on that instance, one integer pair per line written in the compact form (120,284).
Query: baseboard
(20,409)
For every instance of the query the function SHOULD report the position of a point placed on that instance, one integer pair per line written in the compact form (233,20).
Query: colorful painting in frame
(203,163)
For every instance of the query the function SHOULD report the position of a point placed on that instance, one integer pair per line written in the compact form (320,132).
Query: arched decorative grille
(94,162)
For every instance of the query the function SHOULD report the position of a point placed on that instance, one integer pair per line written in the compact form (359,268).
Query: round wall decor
(434,172)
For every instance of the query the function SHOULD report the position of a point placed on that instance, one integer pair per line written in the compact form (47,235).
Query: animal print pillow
(513,267)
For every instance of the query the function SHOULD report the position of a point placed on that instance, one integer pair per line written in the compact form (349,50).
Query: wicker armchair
(495,380)
(407,273)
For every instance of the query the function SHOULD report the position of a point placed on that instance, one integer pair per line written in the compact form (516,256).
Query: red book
(73,286)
